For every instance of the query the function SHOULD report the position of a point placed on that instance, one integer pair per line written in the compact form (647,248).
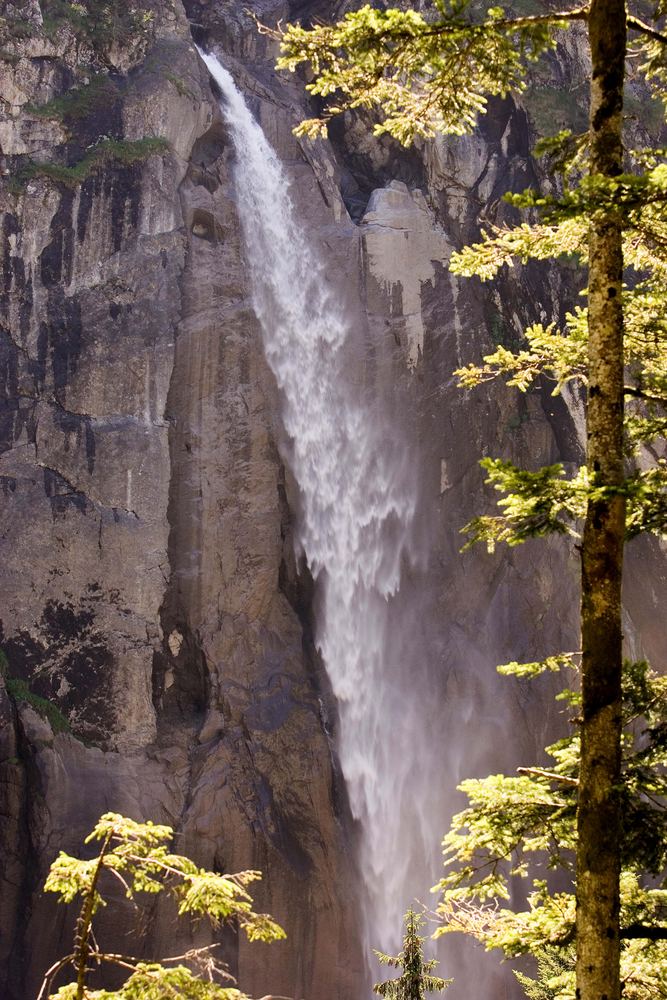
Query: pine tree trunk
(598,817)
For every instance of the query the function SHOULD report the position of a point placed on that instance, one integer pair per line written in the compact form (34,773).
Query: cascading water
(358,505)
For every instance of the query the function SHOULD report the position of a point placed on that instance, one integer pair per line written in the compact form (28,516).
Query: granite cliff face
(150,589)
(140,471)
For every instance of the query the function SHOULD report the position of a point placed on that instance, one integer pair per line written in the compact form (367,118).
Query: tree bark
(85,923)
(598,814)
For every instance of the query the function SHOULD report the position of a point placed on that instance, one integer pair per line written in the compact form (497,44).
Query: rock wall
(149,584)
(150,590)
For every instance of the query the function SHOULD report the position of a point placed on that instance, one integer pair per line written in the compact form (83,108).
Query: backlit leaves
(535,504)
(415,980)
(522,827)
(137,854)
(426,74)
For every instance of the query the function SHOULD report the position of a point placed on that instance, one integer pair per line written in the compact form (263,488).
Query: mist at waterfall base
(355,473)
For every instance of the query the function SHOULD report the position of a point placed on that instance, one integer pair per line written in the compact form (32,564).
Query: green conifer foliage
(415,980)
(431,71)
(523,827)
(137,856)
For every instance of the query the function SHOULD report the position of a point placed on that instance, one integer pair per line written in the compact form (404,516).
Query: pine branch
(516,23)
(84,923)
(539,773)
(631,390)
(510,23)
(50,975)
(645,29)
(644,932)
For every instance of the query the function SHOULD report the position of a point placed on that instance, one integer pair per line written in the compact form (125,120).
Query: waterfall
(358,500)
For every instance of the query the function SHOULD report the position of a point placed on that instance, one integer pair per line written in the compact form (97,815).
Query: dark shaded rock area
(150,590)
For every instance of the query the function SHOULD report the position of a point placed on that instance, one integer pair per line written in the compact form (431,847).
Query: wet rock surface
(150,590)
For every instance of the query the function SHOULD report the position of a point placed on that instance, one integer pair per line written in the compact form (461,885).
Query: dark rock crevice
(21,813)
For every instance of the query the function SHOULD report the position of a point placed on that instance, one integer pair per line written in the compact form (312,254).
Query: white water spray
(358,504)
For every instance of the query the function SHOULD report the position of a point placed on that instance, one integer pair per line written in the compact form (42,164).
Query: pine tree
(415,980)
(520,828)
(136,855)
(598,808)
(552,968)
(433,72)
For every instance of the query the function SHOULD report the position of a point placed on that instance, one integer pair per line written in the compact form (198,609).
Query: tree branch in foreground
(645,29)
(539,773)
(644,932)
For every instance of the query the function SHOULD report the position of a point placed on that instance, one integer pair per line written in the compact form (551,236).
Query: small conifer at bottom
(137,855)
(415,980)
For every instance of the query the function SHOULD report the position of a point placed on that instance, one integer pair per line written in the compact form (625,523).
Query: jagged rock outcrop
(150,590)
